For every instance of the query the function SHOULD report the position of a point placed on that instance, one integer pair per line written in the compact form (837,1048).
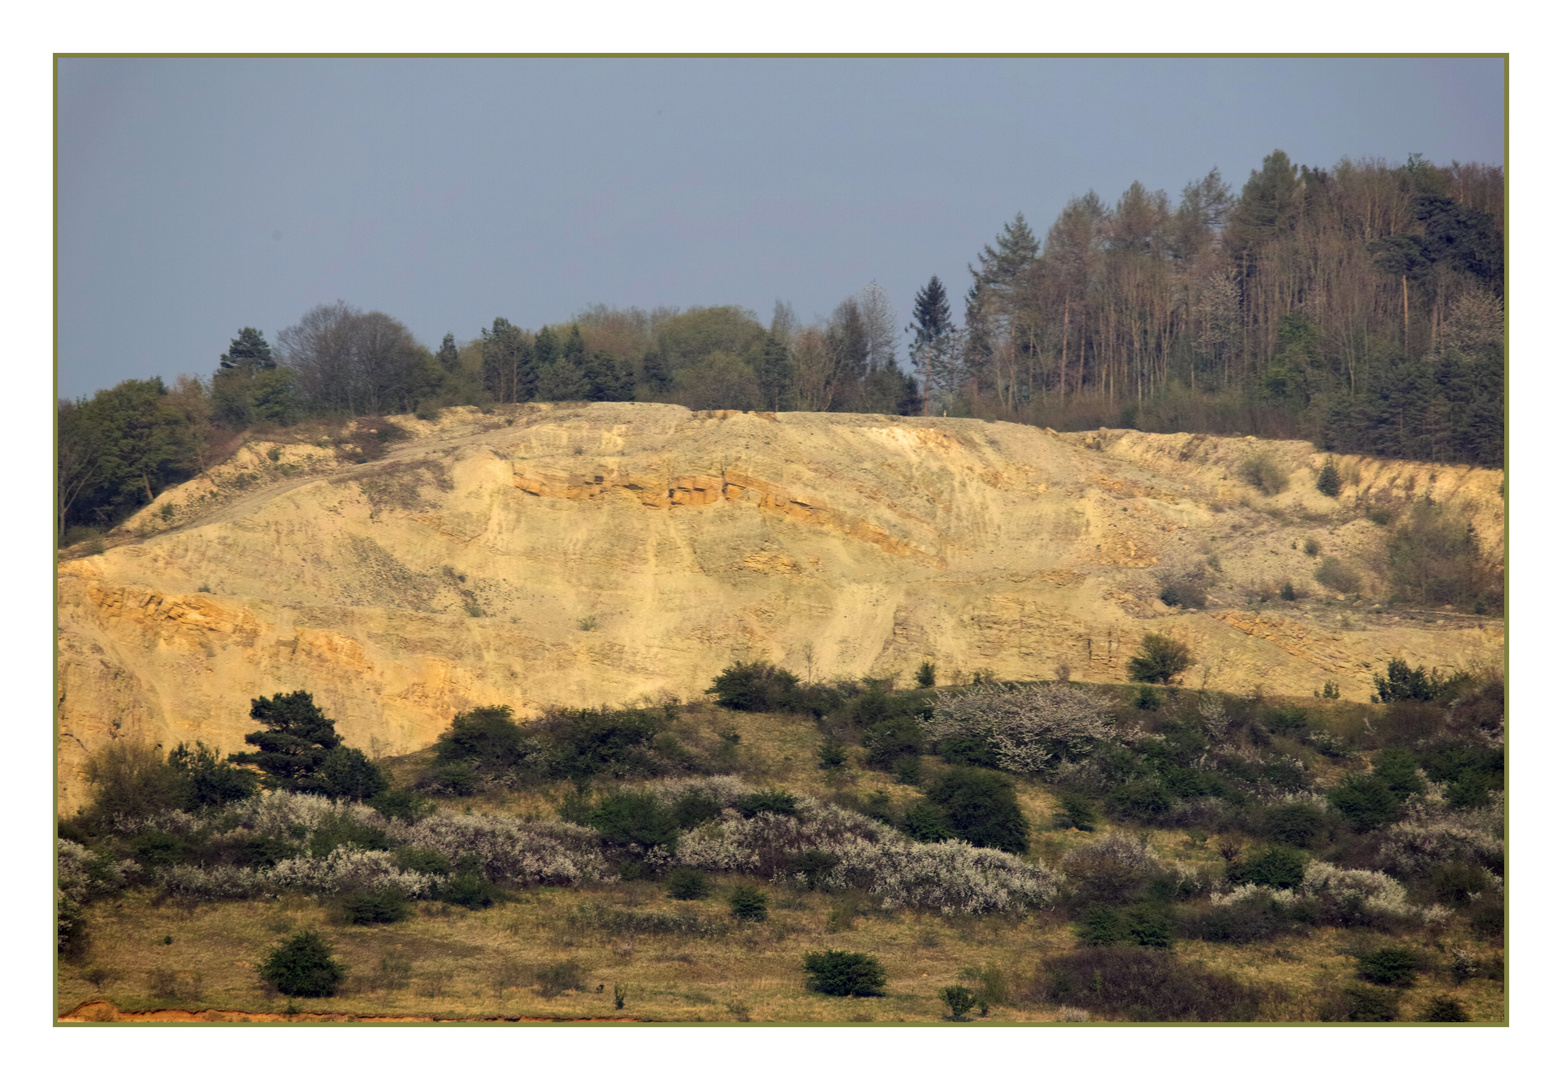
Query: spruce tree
(249,352)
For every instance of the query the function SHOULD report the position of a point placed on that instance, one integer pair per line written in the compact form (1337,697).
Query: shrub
(457,779)
(347,773)
(687,883)
(1147,699)
(980,808)
(1366,801)
(1401,682)
(1028,728)
(1140,800)
(361,908)
(925,823)
(832,753)
(1146,985)
(769,801)
(1270,867)
(553,979)
(422,860)
(132,781)
(489,736)
(1161,659)
(469,890)
(1434,558)
(1329,479)
(968,750)
(754,687)
(1101,926)
(1287,591)
(1445,1009)
(1397,767)
(626,817)
(1311,547)
(1370,1005)
(1148,927)
(303,966)
(1256,918)
(926,674)
(844,974)
(958,1000)
(1260,470)
(748,904)
(207,780)
(1076,811)
(892,739)
(694,809)
(402,804)
(1298,822)
(1389,966)
(1335,576)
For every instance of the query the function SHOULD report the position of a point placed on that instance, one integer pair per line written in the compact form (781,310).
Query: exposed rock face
(593,554)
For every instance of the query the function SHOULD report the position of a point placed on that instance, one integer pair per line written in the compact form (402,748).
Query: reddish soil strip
(106,1012)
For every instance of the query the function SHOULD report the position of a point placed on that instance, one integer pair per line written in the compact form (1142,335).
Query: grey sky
(199,196)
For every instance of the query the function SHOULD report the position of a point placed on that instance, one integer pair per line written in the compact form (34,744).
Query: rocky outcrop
(596,554)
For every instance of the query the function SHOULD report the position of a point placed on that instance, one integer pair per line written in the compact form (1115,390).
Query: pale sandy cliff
(595,554)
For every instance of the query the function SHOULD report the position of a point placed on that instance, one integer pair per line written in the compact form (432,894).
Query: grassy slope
(477,965)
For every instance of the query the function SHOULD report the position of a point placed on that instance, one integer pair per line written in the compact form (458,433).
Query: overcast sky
(199,196)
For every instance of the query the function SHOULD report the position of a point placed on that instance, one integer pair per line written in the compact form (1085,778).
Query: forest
(1361,308)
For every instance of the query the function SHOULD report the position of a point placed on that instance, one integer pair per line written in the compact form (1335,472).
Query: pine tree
(296,740)
(449,356)
(249,352)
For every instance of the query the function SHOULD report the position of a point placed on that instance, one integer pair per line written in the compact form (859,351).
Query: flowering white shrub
(347,868)
(213,882)
(177,822)
(950,877)
(724,790)
(84,875)
(1431,835)
(1131,853)
(1337,890)
(1030,728)
(508,849)
(275,813)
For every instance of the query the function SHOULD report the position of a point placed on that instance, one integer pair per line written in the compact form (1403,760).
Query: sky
(196,197)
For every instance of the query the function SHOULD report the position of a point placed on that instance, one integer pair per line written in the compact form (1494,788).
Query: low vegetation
(1040,851)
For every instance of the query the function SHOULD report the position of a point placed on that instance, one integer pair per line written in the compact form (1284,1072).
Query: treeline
(118,449)
(1361,308)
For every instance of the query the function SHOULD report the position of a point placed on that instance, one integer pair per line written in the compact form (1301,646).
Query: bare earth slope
(592,554)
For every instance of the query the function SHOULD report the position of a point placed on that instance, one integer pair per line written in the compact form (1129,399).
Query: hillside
(584,555)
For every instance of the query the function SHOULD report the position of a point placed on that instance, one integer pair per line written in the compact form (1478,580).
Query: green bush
(1329,479)
(925,823)
(981,808)
(812,865)
(459,779)
(468,889)
(687,883)
(1298,823)
(958,1000)
(1101,926)
(1401,682)
(1366,801)
(754,687)
(1140,800)
(1271,867)
(1398,768)
(695,809)
(748,904)
(1161,659)
(402,804)
(1148,927)
(1260,470)
(347,773)
(303,966)
(1147,700)
(832,753)
(368,906)
(769,801)
(927,675)
(1186,588)
(1242,923)
(422,860)
(844,974)
(207,780)
(1076,811)
(628,817)
(1335,576)
(891,739)
(489,736)
(1391,965)
(1444,1009)
(1311,548)
(968,750)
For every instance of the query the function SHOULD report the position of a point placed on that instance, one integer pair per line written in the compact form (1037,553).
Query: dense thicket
(1361,308)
